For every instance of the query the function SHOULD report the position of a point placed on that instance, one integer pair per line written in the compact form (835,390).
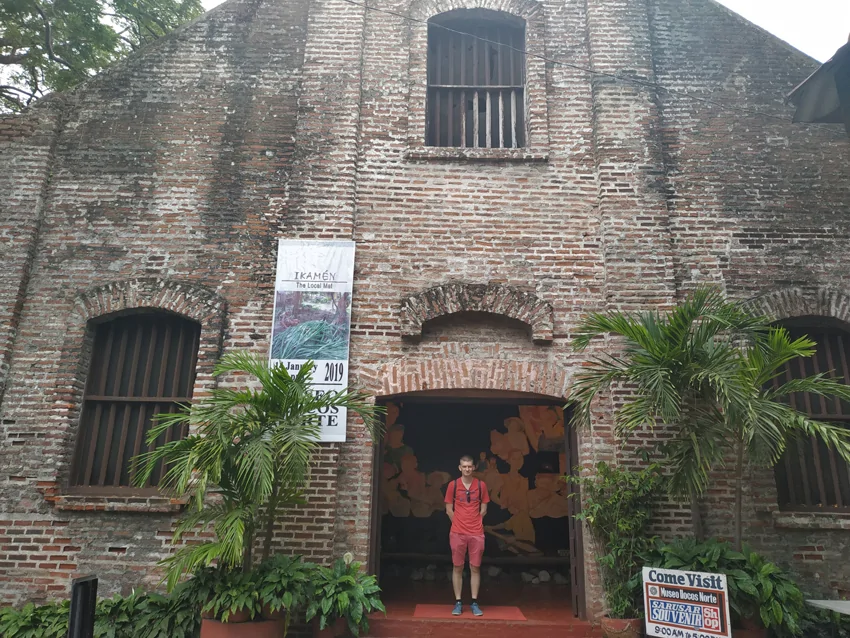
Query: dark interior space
(520,454)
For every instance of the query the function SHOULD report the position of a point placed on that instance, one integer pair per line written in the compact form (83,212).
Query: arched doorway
(523,446)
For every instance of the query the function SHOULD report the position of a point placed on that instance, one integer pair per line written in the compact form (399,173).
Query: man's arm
(450,510)
(483,510)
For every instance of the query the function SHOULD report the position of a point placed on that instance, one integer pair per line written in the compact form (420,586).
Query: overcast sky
(817,27)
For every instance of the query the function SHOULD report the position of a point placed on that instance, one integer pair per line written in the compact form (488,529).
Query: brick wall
(759,206)
(165,189)
(181,166)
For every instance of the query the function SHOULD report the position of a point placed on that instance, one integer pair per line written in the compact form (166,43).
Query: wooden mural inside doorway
(520,455)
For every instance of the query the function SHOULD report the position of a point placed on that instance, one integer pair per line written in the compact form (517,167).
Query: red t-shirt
(467,507)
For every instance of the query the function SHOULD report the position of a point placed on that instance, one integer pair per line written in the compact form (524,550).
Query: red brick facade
(166,181)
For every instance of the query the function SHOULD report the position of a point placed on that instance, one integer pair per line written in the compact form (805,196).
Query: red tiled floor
(546,607)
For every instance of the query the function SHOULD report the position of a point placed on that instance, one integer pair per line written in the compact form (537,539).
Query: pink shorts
(460,543)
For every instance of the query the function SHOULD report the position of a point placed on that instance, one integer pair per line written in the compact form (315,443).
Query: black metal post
(83,601)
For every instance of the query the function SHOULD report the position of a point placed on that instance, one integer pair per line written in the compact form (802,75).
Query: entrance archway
(523,445)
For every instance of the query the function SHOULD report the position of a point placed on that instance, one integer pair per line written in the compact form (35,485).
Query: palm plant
(705,369)
(248,448)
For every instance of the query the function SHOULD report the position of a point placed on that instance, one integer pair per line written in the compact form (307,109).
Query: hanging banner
(312,317)
(685,604)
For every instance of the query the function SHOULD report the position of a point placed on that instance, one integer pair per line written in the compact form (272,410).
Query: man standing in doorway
(466,504)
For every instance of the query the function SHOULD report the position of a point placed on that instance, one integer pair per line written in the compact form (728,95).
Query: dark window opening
(141,365)
(810,476)
(476,81)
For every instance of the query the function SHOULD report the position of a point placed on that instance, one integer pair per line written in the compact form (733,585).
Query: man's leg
(458,545)
(475,580)
(457,580)
(476,552)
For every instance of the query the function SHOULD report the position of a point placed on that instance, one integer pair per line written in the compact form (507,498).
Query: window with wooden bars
(810,476)
(476,80)
(141,365)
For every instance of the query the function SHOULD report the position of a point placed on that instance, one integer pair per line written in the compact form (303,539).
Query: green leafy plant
(284,582)
(709,370)
(344,591)
(168,617)
(31,621)
(758,589)
(118,616)
(247,456)
(617,507)
(198,590)
(235,592)
(138,615)
(824,624)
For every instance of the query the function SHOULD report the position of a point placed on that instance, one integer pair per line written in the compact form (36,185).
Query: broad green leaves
(344,592)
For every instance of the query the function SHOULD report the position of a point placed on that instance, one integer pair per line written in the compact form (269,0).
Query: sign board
(312,317)
(683,604)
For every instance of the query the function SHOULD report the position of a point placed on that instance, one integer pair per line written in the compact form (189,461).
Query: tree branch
(7,96)
(8,87)
(48,38)
(13,58)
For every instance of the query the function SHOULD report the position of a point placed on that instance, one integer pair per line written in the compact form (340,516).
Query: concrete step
(380,627)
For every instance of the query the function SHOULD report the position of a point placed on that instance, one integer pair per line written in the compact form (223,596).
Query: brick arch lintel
(184,298)
(497,299)
(786,303)
(425,9)
(415,375)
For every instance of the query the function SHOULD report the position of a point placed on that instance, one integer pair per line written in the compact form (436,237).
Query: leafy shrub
(344,591)
(284,583)
(820,623)
(118,616)
(233,592)
(31,621)
(199,590)
(617,507)
(138,615)
(758,589)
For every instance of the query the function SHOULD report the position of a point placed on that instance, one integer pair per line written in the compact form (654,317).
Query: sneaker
(458,610)
(476,610)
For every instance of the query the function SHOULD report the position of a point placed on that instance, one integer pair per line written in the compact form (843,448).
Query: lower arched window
(141,365)
(810,476)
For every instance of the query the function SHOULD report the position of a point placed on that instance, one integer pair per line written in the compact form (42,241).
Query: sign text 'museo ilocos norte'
(684,604)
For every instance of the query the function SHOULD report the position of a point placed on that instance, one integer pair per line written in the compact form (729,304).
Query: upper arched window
(476,80)
(141,365)
(810,476)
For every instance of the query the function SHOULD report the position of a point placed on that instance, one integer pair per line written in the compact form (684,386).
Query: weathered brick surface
(166,181)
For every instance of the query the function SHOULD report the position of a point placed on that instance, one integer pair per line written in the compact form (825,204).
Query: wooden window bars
(141,365)
(476,82)
(810,476)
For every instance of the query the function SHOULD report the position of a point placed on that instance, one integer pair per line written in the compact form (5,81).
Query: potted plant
(283,585)
(245,458)
(200,589)
(235,598)
(617,506)
(342,596)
